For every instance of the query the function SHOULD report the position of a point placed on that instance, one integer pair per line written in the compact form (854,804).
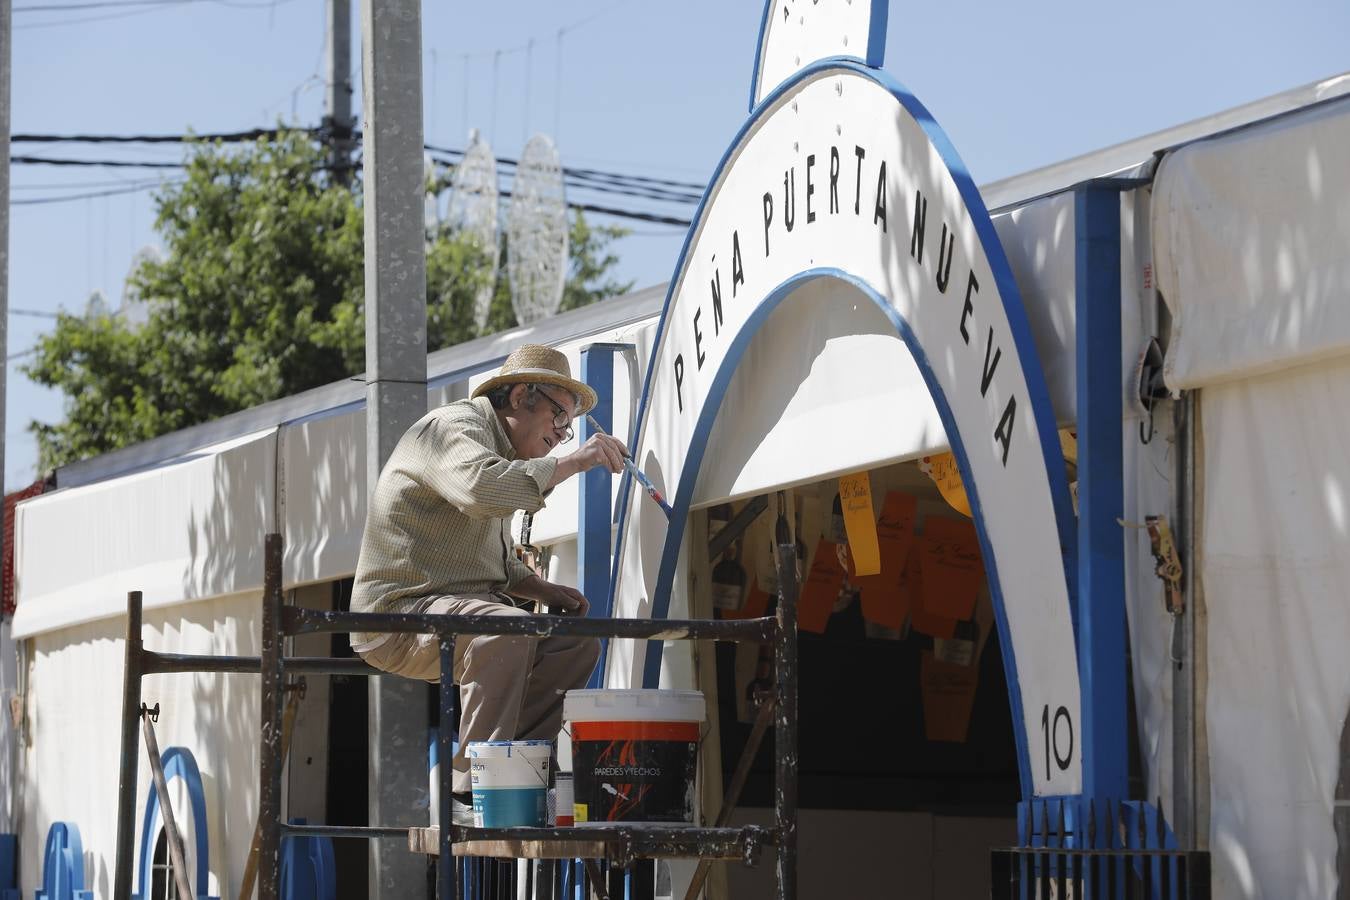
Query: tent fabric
(1273,568)
(1038,239)
(1250,232)
(70,748)
(189,529)
(321,493)
(1149,463)
(9,738)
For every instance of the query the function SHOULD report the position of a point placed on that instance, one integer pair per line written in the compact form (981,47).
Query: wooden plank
(729,845)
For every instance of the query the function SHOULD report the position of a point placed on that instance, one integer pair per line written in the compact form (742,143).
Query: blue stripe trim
(759,53)
(1037,392)
(595,498)
(876,34)
(1101,493)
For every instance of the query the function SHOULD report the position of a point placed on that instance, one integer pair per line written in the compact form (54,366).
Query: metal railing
(1069,850)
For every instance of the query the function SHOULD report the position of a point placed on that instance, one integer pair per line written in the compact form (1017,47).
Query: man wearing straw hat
(437,540)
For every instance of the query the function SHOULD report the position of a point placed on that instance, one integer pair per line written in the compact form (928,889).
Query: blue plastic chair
(308,871)
(63,865)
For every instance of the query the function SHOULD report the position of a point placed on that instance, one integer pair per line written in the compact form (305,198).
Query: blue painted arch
(1037,392)
(177,762)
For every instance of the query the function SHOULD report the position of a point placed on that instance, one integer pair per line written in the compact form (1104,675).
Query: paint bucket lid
(633,705)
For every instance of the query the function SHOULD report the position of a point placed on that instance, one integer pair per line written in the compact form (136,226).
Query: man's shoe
(461,810)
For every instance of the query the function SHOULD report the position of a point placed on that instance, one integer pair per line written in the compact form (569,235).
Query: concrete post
(396,393)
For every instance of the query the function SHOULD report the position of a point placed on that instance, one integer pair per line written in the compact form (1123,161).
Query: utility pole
(337,122)
(396,391)
(6,34)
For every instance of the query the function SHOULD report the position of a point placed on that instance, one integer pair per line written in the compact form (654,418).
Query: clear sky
(642,88)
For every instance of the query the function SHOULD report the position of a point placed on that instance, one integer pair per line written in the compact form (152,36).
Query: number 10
(1056,737)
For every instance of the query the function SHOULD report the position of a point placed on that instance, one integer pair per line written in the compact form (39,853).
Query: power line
(64,198)
(497,52)
(253,134)
(644,179)
(126,9)
(97,4)
(69,185)
(453,154)
(595,174)
(636,186)
(637,192)
(619,213)
(659,186)
(33,312)
(629,214)
(116,163)
(87,19)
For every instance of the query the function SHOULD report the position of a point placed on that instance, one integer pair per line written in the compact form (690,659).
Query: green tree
(259,296)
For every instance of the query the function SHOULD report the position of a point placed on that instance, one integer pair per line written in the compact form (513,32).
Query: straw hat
(536,364)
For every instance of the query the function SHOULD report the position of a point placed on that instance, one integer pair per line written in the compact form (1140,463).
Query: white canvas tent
(1252,238)
(1243,234)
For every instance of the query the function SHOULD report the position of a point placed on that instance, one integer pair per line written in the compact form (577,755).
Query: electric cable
(452,154)
(65,198)
(637,187)
(138,7)
(116,163)
(252,134)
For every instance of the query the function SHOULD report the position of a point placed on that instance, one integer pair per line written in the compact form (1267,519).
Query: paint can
(562,786)
(510,782)
(634,754)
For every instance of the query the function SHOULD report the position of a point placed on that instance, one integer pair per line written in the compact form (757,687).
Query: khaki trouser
(510,688)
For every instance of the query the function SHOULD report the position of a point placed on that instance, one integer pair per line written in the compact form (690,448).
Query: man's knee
(586,651)
(407,658)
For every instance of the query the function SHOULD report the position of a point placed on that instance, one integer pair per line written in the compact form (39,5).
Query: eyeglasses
(562,419)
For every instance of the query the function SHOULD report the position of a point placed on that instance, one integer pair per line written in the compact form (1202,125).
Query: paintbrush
(637,473)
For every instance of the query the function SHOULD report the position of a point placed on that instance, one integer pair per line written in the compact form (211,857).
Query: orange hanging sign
(821,589)
(886,596)
(949,555)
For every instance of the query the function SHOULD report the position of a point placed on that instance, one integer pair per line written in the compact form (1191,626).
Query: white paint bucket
(510,782)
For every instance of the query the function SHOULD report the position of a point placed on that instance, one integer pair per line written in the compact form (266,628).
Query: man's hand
(599,450)
(566,601)
(558,599)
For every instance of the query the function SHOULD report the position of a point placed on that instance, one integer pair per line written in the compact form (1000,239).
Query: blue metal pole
(1101,488)
(595,507)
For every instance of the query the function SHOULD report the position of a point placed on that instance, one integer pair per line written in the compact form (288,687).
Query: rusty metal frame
(627,843)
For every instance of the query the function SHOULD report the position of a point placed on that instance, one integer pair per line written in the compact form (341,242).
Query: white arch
(841,173)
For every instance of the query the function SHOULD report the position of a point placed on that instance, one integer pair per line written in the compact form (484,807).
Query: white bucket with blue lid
(510,783)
